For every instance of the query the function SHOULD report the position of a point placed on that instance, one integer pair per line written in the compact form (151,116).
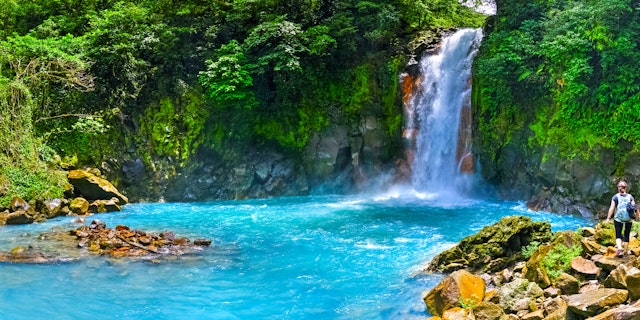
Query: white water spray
(446,88)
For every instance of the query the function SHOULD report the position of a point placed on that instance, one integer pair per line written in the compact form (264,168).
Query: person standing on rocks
(621,219)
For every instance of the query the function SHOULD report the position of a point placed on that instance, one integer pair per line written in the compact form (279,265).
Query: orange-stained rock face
(464,157)
(471,287)
(459,286)
(407,89)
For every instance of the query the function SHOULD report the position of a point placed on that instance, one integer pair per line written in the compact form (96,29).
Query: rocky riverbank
(86,193)
(519,269)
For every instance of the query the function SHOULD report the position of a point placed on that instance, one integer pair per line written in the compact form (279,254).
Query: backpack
(631,209)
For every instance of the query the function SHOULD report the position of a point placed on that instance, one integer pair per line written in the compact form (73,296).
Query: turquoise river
(314,257)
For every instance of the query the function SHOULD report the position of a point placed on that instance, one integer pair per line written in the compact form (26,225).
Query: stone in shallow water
(202,242)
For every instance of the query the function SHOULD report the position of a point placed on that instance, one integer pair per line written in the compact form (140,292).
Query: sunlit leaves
(320,42)
(227,79)
(277,44)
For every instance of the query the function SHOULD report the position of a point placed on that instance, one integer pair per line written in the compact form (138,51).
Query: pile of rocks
(121,241)
(97,239)
(595,285)
(87,193)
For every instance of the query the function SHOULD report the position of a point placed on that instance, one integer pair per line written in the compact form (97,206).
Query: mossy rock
(534,269)
(493,248)
(605,234)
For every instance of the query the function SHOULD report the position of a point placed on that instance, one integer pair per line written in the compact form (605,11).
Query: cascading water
(435,114)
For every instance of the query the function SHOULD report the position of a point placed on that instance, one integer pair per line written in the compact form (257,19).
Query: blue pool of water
(315,257)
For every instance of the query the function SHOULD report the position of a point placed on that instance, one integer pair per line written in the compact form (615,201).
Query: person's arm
(611,209)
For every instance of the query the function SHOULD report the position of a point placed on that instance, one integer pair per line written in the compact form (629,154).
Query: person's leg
(618,226)
(625,238)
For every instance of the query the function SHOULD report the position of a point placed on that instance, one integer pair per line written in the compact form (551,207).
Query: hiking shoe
(619,253)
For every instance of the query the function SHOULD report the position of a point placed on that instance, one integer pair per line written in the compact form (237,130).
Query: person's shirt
(621,201)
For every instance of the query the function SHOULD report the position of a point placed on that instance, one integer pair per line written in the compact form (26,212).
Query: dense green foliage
(558,259)
(566,70)
(168,77)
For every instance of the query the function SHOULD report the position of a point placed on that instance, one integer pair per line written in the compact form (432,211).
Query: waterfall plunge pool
(315,257)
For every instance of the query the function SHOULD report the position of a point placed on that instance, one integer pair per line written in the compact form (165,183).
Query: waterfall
(436,119)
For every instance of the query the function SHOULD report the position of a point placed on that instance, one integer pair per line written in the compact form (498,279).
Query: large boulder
(605,234)
(100,206)
(519,294)
(590,247)
(567,284)
(459,287)
(79,206)
(92,187)
(617,278)
(607,262)
(495,247)
(52,208)
(556,309)
(19,217)
(18,203)
(584,267)
(594,302)
(622,312)
(633,283)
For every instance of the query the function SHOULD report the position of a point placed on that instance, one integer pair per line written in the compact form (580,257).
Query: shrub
(29,184)
(528,250)
(559,258)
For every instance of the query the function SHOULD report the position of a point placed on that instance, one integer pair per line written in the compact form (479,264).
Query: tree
(227,79)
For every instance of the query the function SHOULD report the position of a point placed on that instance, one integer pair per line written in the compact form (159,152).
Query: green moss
(392,115)
(175,128)
(30,183)
(361,93)
(161,125)
(193,120)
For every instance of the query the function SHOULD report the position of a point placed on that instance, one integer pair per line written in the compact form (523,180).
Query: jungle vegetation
(566,71)
(80,77)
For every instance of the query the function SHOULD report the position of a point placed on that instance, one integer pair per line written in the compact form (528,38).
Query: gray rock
(593,302)
(518,295)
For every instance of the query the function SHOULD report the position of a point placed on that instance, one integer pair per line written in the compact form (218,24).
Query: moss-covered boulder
(534,269)
(567,284)
(79,206)
(495,247)
(605,234)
